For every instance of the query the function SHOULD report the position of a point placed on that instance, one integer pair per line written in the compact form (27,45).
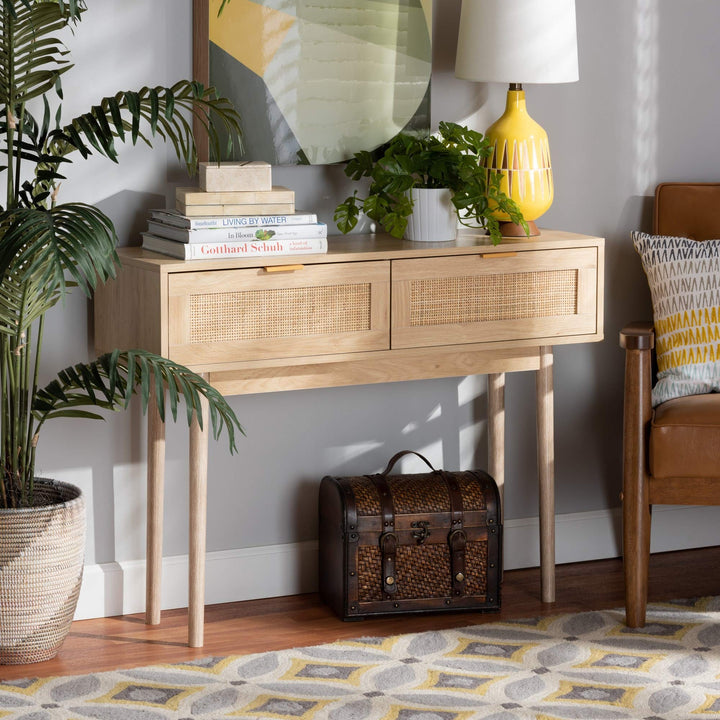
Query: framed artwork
(317,80)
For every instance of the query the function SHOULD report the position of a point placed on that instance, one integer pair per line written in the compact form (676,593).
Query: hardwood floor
(276,623)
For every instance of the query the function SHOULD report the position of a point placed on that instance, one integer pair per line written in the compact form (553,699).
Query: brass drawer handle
(282,268)
(487,256)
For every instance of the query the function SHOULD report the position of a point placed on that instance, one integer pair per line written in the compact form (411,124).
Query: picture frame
(315,81)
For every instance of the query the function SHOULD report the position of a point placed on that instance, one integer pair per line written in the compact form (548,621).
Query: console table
(373,309)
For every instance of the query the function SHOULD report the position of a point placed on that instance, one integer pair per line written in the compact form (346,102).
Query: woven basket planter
(41,561)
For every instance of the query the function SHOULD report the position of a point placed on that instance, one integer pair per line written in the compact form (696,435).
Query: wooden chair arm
(638,335)
(638,339)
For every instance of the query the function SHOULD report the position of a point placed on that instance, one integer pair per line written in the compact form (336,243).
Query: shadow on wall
(462,97)
(129,210)
(589,378)
(627,299)
(626,293)
(628,289)
(435,436)
(95,464)
(629,286)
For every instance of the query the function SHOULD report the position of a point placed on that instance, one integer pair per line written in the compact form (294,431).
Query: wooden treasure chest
(410,543)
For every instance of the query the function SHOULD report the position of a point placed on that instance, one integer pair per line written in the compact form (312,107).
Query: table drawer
(250,314)
(489,297)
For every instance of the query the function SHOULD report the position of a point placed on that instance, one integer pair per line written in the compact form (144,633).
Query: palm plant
(47,248)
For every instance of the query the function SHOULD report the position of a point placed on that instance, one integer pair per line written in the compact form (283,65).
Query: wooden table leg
(155,494)
(198,526)
(546,472)
(496,433)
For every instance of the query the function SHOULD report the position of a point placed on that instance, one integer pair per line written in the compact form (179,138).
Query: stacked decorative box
(235,212)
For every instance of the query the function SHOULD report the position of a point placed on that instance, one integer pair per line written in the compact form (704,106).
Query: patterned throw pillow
(684,279)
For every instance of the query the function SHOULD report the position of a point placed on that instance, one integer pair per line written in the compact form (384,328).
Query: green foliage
(453,160)
(48,248)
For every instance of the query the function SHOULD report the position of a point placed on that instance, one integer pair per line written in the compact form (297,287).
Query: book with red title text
(234,249)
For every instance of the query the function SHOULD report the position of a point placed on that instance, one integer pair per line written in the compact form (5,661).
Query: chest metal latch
(421,532)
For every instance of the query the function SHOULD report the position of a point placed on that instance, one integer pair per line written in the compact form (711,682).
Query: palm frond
(29,144)
(150,112)
(75,7)
(73,238)
(23,300)
(47,248)
(110,382)
(30,46)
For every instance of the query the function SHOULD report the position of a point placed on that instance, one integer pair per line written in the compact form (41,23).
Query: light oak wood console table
(373,309)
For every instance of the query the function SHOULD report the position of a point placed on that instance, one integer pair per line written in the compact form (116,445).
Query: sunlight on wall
(646,96)
(433,451)
(338,455)
(470,390)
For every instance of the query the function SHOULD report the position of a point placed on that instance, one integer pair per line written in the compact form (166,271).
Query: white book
(236,232)
(173,217)
(233,249)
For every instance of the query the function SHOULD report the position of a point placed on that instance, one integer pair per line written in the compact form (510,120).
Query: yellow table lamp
(516,42)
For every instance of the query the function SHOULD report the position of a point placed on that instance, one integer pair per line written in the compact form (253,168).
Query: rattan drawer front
(250,314)
(488,298)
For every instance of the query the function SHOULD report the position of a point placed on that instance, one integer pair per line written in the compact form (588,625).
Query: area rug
(587,665)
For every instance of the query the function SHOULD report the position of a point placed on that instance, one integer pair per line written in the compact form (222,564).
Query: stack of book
(236,212)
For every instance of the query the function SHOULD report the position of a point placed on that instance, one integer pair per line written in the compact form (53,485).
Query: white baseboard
(112,589)
(119,588)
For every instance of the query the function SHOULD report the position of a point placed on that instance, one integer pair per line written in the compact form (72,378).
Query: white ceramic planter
(433,218)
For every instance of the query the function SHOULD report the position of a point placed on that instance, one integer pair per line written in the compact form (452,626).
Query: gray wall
(645,110)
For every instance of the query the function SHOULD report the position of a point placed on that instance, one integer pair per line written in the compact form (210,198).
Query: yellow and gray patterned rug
(567,667)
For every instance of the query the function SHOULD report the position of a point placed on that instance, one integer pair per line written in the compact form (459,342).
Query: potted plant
(449,164)
(48,248)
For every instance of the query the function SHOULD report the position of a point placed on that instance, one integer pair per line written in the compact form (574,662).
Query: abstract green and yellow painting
(317,80)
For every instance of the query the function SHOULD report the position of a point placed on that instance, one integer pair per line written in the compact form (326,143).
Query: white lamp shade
(517,41)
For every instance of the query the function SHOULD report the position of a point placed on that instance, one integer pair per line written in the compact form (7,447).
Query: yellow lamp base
(522,154)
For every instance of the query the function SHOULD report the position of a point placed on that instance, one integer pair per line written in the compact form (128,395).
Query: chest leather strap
(388,538)
(457,538)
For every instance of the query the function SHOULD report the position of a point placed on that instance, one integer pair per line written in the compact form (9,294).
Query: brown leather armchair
(671,454)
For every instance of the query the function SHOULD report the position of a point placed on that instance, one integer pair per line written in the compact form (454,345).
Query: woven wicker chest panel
(494,297)
(423,568)
(250,314)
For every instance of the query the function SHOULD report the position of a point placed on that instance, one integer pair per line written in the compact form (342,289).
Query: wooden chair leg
(636,505)
(636,552)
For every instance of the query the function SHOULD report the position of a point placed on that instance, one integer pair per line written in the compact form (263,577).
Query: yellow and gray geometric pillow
(684,279)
